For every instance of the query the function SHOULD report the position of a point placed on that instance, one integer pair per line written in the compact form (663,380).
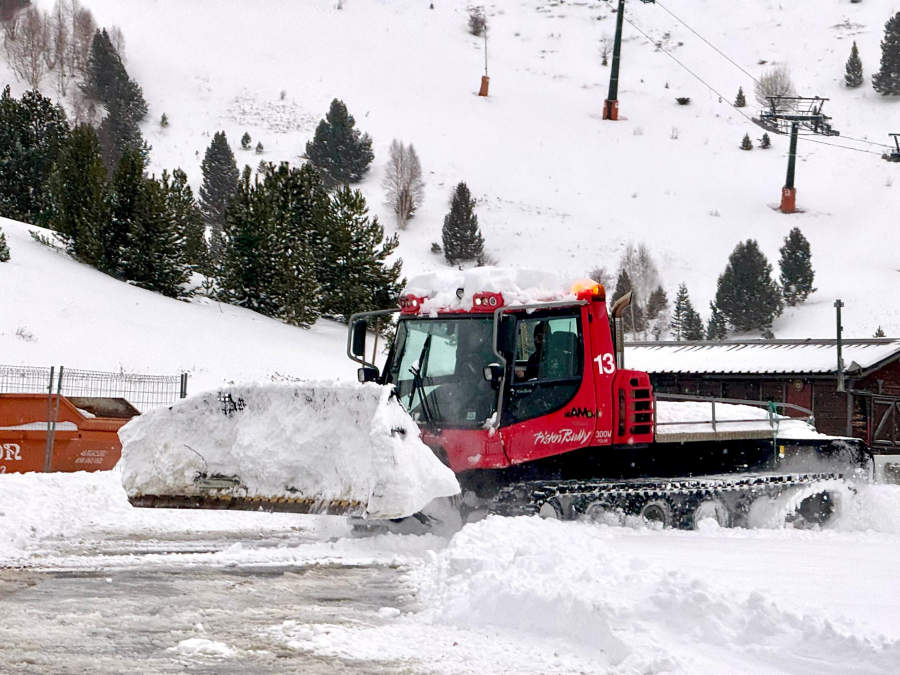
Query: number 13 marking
(606,363)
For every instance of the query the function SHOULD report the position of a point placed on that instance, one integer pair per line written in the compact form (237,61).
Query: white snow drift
(328,441)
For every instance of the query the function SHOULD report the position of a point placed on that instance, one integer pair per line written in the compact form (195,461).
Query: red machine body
(596,404)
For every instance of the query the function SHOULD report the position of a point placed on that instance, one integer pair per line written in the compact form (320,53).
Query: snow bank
(519,576)
(328,441)
(518,286)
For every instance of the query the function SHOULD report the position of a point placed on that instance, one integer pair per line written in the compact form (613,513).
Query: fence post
(183,392)
(48,446)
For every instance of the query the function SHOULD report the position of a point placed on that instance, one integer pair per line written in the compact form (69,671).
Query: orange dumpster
(83,438)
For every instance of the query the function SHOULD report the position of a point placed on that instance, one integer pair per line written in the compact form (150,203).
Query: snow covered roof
(759,356)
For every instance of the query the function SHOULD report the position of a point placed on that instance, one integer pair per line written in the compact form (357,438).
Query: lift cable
(863,140)
(676,60)
(721,53)
(743,70)
(836,145)
(723,99)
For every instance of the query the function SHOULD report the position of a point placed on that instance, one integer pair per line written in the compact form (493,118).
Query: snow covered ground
(502,595)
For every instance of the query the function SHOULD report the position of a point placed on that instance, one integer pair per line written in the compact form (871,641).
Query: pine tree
(361,278)
(746,295)
(246,271)
(656,315)
(154,258)
(77,189)
(746,143)
(107,82)
(220,180)
(189,221)
(740,100)
(887,80)
(4,248)
(796,268)
(32,131)
(124,195)
(716,327)
(298,240)
(119,132)
(853,75)
(765,142)
(245,141)
(461,237)
(879,332)
(693,325)
(338,150)
(686,323)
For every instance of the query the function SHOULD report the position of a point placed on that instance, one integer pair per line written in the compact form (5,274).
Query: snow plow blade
(325,448)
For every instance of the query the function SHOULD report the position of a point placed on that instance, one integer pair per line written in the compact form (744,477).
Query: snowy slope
(55,311)
(558,187)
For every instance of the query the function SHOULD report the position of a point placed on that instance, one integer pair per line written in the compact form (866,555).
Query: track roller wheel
(657,511)
(711,508)
(551,509)
(602,513)
(816,509)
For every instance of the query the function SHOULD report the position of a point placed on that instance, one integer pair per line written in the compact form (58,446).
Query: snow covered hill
(55,311)
(558,187)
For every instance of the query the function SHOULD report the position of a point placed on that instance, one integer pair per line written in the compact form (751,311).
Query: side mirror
(367,374)
(358,344)
(492,373)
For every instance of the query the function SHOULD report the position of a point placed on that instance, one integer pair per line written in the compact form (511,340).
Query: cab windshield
(437,368)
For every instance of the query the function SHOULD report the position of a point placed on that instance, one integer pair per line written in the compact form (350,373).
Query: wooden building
(801,372)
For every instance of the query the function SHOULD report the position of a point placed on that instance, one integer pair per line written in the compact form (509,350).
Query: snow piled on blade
(328,441)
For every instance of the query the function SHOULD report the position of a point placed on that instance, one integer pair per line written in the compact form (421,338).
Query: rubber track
(526,498)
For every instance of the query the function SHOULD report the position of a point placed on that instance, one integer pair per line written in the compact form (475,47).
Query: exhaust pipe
(617,310)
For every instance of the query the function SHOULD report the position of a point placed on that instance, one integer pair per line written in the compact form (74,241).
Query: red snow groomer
(532,407)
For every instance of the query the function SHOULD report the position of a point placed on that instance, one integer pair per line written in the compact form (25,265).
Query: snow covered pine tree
(461,237)
(746,295)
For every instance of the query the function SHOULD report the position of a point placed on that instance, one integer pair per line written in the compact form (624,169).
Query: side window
(549,365)
(548,348)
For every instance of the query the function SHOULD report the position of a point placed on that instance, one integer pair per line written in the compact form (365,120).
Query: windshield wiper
(419,386)
(431,416)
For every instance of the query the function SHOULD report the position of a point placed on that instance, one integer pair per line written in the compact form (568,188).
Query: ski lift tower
(794,115)
(611,104)
(893,155)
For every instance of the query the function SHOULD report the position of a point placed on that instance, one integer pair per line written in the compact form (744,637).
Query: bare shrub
(642,270)
(8,8)
(403,182)
(118,41)
(57,53)
(27,39)
(477,21)
(776,82)
(82,34)
(602,276)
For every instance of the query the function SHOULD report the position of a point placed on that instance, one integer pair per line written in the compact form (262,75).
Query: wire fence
(144,392)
